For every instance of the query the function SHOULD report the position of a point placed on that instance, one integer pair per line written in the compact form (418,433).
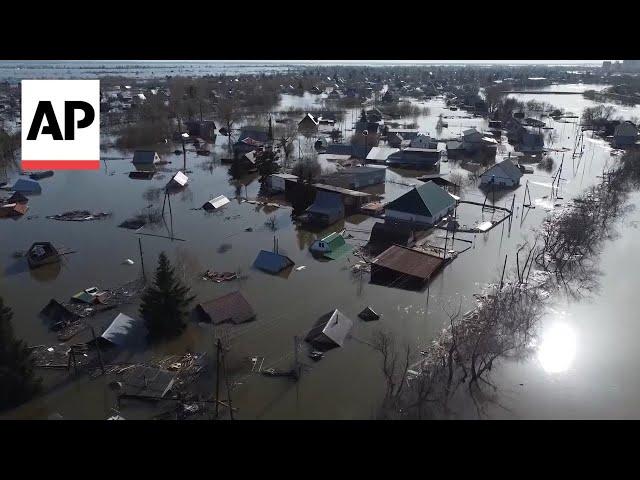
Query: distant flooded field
(583,370)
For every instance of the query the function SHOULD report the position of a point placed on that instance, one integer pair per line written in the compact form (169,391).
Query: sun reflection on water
(557,348)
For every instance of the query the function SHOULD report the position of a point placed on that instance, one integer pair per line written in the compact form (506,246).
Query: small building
(332,246)
(423,205)
(281,182)
(204,129)
(405,133)
(230,308)
(25,186)
(179,180)
(327,208)
(502,174)
(418,158)
(380,154)
(404,268)
(471,140)
(355,177)
(13,210)
(309,122)
(272,262)
(625,135)
(216,203)
(421,141)
(123,331)
(352,200)
(58,314)
(394,140)
(145,157)
(145,382)
(385,234)
(330,331)
(42,253)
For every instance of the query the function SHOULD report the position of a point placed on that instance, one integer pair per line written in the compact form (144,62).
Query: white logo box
(46,153)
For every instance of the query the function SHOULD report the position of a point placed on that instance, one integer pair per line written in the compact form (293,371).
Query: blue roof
(271,262)
(26,186)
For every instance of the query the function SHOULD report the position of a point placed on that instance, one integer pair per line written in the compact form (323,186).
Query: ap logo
(60,124)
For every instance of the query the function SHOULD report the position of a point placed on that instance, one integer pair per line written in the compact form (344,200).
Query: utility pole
(295,354)
(503,268)
(144,275)
(95,342)
(217,376)
(226,381)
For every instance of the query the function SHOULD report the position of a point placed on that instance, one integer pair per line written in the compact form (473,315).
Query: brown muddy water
(585,366)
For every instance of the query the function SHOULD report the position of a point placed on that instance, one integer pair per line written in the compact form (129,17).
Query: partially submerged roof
(13,209)
(179,179)
(368,315)
(229,308)
(337,245)
(145,157)
(272,262)
(408,262)
(216,203)
(504,169)
(330,330)
(124,330)
(56,312)
(143,381)
(331,189)
(427,200)
(26,186)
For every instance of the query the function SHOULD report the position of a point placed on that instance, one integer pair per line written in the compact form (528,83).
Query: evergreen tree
(17,381)
(165,304)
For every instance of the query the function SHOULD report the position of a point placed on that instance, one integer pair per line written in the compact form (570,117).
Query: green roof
(338,246)
(426,200)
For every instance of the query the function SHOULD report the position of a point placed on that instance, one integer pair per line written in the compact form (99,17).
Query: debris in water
(79,216)
(219,277)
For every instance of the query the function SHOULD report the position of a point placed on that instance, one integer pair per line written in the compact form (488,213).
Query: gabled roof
(504,169)
(180,179)
(308,116)
(232,307)
(337,245)
(215,203)
(122,329)
(272,262)
(426,200)
(331,329)
(26,186)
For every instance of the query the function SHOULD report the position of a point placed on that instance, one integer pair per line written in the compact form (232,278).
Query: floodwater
(347,383)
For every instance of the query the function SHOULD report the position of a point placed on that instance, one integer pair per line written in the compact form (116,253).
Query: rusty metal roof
(409,262)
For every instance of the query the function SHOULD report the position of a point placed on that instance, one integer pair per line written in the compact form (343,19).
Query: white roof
(121,326)
(381,153)
(218,201)
(338,327)
(180,178)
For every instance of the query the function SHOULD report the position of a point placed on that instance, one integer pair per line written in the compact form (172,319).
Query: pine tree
(165,304)
(17,381)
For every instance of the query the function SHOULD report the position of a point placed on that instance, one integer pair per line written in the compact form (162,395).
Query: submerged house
(123,331)
(204,129)
(330,331)
(216,203)
(42,253)
(229,308)
(423,205)
(281,182)
(355,177)
(385,234)
(419,158)
(25,186)
(309,122)
(272,262)
(503,174)
(13,210)
(145,157)
(380,154)
(179,180)
(326,209)
(404,268)
(625,135)
(332,246)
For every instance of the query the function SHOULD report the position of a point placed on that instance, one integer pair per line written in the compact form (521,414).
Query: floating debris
(79,216)
(219,277)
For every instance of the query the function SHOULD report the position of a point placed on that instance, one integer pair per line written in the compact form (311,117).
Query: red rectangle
(60,164)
